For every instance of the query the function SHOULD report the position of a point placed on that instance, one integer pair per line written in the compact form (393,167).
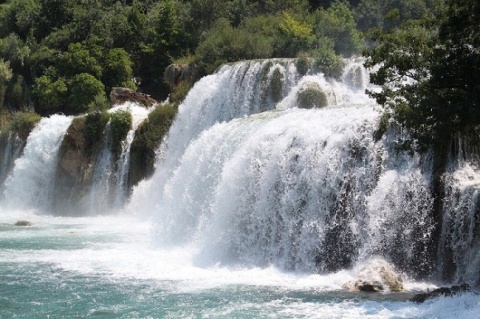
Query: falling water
(30,184)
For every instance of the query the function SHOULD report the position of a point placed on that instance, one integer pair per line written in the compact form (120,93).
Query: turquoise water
(109,267)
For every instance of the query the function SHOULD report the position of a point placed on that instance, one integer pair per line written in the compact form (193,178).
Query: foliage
(94,125)
(84,89)
(118,69)
(303,63)
(23,123)
(276,85)
(428,71)
(147,139)
(5,76)
(311,96)
(227,44)
(52,45)
(120,124)
(50,95)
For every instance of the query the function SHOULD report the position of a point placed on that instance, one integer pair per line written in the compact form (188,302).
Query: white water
(252,198)
(31,182)
(109,190)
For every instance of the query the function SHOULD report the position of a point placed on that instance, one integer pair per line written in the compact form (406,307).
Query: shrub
(120,124)
(23,123)
(84,89)
(50,94)
(329,63)
(94,125)
(276,85)
(303,63)
(147,139)
(311,96)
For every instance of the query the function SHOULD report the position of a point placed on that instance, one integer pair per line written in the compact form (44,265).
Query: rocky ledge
(120,95)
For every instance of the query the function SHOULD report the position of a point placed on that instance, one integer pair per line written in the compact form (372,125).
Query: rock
(377,276)
(177,73)
(442,291)
(23,223)
(120,95)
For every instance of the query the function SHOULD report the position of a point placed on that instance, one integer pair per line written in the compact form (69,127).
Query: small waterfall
(101,191)
(139,114)
(109,189)
(459,253)
(11,147)
(30,184)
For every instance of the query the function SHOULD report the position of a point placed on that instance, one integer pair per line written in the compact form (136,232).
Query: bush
(226,44)
(23,123)
(329,63)
(147,139)
(276,85)
(94,125)
(120,124)
(50,95)
(303,63)
(311,96)
(84,89)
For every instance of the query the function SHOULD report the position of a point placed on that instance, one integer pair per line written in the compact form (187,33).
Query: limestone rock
(378,275)
(177,73)
(120,95)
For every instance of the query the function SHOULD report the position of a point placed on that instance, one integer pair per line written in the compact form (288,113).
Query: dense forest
(66,55)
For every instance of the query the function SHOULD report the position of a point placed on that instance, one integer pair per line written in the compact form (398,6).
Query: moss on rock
(147,139)
(312,96)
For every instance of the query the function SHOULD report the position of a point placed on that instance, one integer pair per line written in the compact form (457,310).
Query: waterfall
(459,253)
(139,114)
(250,181)
(30,184)
(11,147)
(109,188)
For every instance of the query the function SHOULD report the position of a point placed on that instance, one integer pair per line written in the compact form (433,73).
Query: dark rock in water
(442,291)
(366,286)
(120,95)
(23,223)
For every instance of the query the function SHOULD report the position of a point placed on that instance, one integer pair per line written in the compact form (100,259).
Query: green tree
(84,89)
(50,95)
(429,71)
(117,70)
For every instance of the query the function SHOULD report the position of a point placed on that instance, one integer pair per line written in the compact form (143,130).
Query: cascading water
(139,114)
(11,147)
(260,209)
(30,184)
(305,190)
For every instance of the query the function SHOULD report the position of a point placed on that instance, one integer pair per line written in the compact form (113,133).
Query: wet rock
(23,223)
(442,291)
(120,95)
(378,275)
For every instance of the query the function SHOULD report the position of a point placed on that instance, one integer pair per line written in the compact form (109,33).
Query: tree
(84,89)
(429,71)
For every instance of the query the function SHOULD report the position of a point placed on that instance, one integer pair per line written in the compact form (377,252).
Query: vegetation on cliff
(61,56)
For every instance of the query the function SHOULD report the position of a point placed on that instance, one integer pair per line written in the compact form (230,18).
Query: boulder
(378,275)
(23,223)
(120,95)
(442,291)
(177,73)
